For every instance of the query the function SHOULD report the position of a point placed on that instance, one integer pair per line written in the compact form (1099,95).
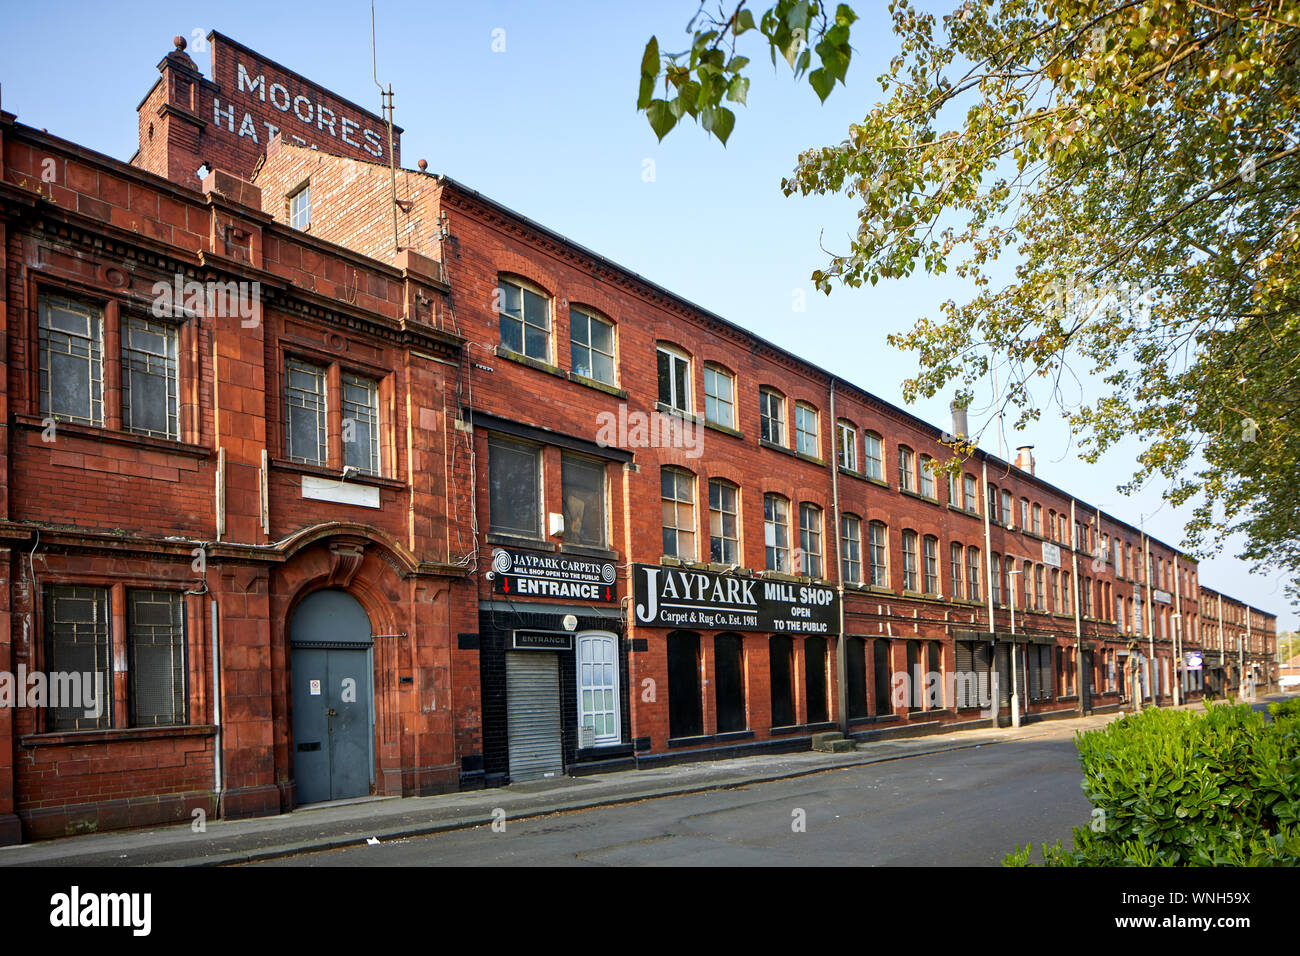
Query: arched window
(906,468)
(973,574)
(911,561)
(927,478)
(851,548)
(807,434)
(996,584)
(878,554)
(846,444)
(591,345)
(931,564)
(724,522)
(674,377)
(719,395)
(810,539)
(776,532)
(956,566)
(771,414)
(525,319)
(677,490)
(873,456)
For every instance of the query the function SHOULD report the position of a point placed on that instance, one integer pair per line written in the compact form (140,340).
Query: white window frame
(594,319)
(846,445)
(713,401)
(681,403)
(807,436)
(771,401)
(299,202)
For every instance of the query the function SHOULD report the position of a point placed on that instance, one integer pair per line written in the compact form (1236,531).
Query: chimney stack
(960,428)
(1025,458)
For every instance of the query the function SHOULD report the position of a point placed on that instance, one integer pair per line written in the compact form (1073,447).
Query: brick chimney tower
(170,122)
(1025,458)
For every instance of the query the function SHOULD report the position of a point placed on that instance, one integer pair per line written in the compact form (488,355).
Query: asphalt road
(961,808)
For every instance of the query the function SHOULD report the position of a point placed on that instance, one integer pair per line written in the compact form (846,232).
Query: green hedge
(1187,788)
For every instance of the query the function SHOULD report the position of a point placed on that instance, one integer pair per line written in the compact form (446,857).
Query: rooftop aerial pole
(386,110)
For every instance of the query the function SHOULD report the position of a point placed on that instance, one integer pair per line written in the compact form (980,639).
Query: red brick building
(345,479)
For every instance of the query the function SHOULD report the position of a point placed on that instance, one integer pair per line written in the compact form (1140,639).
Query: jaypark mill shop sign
(686,598)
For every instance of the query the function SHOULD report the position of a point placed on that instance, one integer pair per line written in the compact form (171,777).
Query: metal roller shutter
(1035,673)
(965,667)
(533,715)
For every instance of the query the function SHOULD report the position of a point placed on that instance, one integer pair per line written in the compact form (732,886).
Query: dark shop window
(855,652)
(780,668)
(814,656)
(514,480)
(934,665)
(915,677)
(729,682)
(884,705)
(582,485)
(685,713)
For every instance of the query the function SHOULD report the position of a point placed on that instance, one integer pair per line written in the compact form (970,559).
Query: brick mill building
(339,478)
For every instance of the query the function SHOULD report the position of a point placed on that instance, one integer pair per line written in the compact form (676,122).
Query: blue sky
(549,128)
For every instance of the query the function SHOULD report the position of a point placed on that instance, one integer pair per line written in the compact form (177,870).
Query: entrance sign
(541,641)
(535,574)
(674,597)
(1193,659)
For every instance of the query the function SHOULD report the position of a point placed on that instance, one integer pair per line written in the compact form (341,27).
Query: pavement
(350,823)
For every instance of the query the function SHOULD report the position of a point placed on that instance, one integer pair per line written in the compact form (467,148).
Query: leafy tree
(1136,160)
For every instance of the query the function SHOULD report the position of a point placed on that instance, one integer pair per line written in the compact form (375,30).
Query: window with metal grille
(71,338)
(878,554)
(156,644)
(851,548)
(149,382)
(598,688)
(525,320)
(776,532)
(591,346)
(361,423)
(304,398)
(724,533)
(677,491)
(78,651)
(810,540)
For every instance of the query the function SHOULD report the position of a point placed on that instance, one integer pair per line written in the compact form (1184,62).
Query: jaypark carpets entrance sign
(537,574)
(673,597)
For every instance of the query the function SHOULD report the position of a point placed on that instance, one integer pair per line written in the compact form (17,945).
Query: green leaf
(738,89)
(646,92)
(744,21)
(822,82)
(650,59)
(723,122)
(661,117)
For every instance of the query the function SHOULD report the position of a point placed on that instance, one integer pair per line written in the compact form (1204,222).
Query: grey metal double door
(333,716)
